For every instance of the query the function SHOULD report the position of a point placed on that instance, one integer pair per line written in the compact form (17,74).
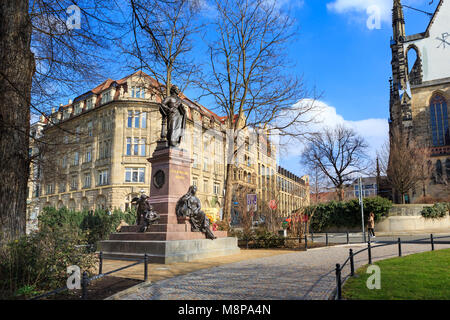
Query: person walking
(371,225)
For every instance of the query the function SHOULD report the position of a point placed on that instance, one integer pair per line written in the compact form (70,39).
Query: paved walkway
(291,276)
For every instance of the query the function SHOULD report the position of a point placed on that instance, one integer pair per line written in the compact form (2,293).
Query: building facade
(95,149)
(420,91)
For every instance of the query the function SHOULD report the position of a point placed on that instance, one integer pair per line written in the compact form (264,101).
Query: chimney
(70,101)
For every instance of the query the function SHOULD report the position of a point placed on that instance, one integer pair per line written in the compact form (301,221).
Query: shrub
(346,214)
(95,226)
(437,211)
(38,262)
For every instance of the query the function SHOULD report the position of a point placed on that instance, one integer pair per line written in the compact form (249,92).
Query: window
(50,188)
(76,158)
(195,163)
(104,149)
(89,104)
(135,175)
(205,186)
(77,134)
(216,188)
(106,97)
(87,180)
(88,155)
(138,92)
(78,108)
(136,119)
(74,183)
(439,121)
(144,120)
(205,164)
(130,119)
(195,182)
(64,162)
(136,147)
(89,129)
(62,187)
(103,177)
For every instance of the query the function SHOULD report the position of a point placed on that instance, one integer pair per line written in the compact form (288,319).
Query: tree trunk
(228,195)
(16,73)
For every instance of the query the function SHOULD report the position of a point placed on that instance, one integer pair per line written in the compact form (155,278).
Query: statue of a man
(146,215)
(189,206)
(174,117)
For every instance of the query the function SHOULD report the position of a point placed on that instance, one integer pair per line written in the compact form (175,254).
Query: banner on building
(252,202)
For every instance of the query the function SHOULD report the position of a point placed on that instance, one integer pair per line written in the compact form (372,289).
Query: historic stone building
(95,150)
(420,91)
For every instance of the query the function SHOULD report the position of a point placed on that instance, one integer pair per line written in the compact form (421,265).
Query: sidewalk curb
(118,295)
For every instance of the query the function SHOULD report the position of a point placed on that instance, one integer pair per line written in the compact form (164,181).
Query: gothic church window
(439,121)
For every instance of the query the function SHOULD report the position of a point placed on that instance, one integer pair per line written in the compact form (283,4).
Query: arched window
(439,121)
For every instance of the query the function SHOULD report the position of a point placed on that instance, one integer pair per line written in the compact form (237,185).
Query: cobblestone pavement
(292,276)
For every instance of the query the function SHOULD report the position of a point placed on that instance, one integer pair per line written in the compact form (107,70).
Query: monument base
(168,251)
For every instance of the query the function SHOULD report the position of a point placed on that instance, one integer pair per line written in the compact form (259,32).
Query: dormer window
(106,97)
(138,92)
(78,108)
(89,104)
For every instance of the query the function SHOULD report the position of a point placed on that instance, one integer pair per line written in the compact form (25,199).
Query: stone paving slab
(291,276)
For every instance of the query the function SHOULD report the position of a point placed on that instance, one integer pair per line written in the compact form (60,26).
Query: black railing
(85,280)
(339,267)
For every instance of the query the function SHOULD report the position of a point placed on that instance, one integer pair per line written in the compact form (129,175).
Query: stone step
(168,251)
(175,235)
(158,228)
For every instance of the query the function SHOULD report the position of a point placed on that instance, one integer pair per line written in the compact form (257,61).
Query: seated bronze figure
(189,206)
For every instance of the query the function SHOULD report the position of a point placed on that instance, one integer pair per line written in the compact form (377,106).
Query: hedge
(346,213)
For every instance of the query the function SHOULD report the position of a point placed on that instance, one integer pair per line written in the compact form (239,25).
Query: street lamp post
(361,203)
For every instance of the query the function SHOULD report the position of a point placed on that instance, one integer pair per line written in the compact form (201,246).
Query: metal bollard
(348,238)
(306,242)
(326,238)
(84,284)
(399,247)
(369,251)
(338,282)
(432,242)
(100,263)
(145,267)
(352,263)
(312,236)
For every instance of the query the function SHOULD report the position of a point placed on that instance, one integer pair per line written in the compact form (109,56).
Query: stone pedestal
(171,240)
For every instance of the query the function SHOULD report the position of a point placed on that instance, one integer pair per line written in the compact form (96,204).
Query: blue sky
(349,63)
(341,57)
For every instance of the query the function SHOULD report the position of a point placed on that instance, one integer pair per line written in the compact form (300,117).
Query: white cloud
(358,8)
(374,131)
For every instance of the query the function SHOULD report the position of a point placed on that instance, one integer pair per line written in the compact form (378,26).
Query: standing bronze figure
(173,117)
(189,206)
(146,215)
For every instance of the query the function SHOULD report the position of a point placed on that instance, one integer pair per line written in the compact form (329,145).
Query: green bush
(95,226)
(437,211)
(346,213)
(38,262)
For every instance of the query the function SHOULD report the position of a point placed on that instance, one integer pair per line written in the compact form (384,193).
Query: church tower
(400,91)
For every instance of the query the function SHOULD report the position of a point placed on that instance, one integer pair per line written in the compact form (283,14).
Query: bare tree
(16,74)
(405,163)
(163,38)
(339,153)
(43,57)
(248,76)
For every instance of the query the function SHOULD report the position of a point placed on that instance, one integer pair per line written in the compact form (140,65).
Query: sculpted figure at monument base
(189,206)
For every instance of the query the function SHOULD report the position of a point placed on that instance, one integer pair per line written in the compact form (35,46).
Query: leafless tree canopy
(339,153)
(163,34)
(405,163)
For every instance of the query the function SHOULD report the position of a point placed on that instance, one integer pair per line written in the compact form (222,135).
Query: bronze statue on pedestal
(173,118)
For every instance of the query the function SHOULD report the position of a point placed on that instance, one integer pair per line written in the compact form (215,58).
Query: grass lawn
(421,276)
